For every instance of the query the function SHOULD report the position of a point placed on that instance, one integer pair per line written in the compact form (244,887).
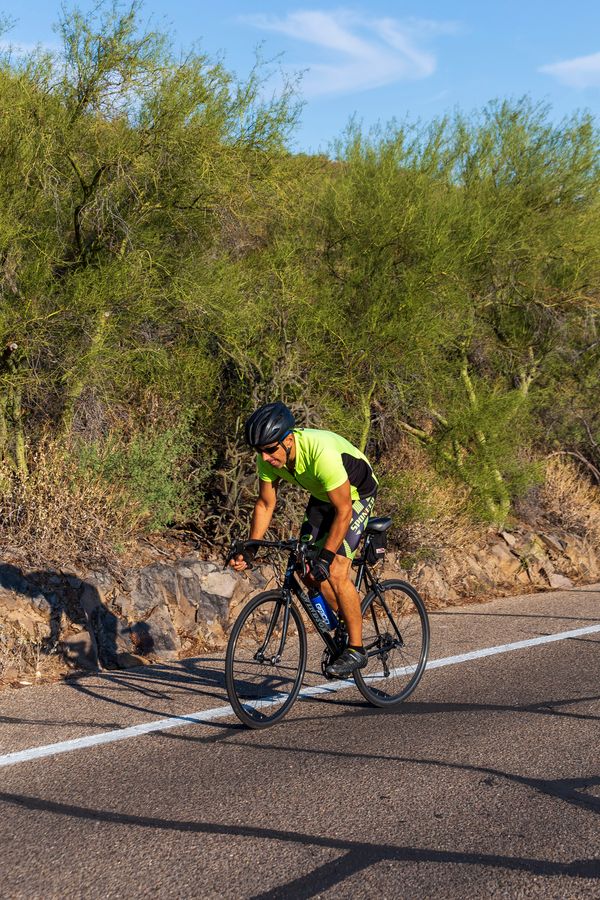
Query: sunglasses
(272,449)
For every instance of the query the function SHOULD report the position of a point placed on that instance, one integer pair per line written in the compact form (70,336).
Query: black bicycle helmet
(269,424)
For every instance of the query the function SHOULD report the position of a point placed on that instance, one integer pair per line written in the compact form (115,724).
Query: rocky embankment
(169,606)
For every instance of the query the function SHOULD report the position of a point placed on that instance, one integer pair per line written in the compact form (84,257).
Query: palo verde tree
(166,264)
(126,169)
(452,262)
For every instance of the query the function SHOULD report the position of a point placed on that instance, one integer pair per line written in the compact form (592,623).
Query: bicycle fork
(259,656)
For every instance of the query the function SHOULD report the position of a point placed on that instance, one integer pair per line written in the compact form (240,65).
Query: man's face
(275,453)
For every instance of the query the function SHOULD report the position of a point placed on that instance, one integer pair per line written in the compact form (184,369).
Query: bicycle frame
(292,586)
(268,647)
(372,584)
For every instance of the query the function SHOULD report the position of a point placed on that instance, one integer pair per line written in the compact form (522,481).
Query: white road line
(222,712)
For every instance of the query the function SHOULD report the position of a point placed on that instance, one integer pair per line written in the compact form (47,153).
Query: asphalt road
(486,783)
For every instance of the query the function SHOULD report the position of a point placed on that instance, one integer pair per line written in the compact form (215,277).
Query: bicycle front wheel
(263,673)
(396,638)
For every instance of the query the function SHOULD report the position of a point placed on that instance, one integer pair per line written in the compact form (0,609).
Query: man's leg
(339,590)
(341,594)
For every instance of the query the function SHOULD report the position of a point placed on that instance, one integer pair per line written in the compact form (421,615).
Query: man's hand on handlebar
(241,553)
(243,560)
(320,566)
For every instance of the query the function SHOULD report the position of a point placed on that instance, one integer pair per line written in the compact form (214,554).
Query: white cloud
(369,53)
(581,72)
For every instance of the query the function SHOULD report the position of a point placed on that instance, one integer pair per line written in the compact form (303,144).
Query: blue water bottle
(323,610)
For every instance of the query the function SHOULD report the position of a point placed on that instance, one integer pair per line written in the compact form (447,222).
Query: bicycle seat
(379,525)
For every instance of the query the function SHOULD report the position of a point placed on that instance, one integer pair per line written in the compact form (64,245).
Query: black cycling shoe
(346,664)
(341,642)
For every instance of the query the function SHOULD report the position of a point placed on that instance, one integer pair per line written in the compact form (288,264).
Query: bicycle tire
(383,647)
(261,692)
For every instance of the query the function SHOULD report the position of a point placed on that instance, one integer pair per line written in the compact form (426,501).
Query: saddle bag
(377,547)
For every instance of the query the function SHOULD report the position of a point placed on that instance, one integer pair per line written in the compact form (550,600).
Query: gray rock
(112,634)
(156,636)
(167,608)
(189,587)
(508,563)
(200,567)
(547,569)
(509,538)
(123,604)
(479,573)
(102,579)
(211,607)
(44,604)
(574,549)
(551,541)
(448,563)
(222,584)
(432,585)
(13,581)
(535,549)
(141,603)
(127,582)
(559,582)
(185,615)
(81,651)
(89,598)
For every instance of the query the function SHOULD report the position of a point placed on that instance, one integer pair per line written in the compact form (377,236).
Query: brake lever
(235,550)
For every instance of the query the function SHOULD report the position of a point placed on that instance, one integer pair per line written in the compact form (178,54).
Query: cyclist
(342,487)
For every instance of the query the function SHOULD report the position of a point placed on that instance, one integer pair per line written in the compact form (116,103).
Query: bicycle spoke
(263,671)
(396,637)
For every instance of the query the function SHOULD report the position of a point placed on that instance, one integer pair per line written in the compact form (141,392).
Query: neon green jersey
(324,461)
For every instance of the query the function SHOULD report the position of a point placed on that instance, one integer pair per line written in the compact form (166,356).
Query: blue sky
(384,59)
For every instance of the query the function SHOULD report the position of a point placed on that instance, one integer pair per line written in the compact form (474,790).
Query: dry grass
(20,652)
(57,515)
(430,513)
(571,499)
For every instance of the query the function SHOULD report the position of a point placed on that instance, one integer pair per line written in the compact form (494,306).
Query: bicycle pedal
(326,660)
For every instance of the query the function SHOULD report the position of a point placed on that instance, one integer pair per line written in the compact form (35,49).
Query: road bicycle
(268,648)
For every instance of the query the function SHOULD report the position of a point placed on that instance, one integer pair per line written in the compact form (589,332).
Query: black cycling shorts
(319,517)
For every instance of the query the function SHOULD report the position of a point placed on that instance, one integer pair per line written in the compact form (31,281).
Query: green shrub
(154,469)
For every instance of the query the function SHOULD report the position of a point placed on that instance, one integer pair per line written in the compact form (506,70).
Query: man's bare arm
(261,518)
(341,500)
(263,509)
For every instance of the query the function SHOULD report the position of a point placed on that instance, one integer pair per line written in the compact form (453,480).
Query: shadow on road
(355,856)
(159,682)
(205,675)
(570,790)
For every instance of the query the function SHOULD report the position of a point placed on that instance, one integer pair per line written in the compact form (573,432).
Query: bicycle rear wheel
(263,678)
(396,638)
